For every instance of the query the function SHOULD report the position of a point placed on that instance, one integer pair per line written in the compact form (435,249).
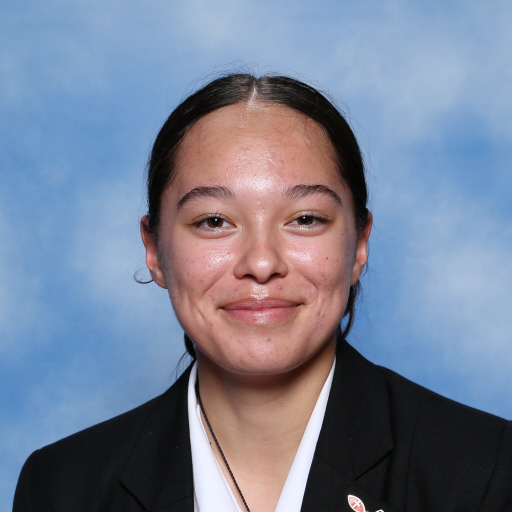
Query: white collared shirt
(211,490)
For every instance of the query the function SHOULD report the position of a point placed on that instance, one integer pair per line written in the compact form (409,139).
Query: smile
(261,311)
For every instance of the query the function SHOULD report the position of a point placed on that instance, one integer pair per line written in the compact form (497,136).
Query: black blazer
(395,445)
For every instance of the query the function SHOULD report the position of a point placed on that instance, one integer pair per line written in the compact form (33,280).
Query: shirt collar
(213,493)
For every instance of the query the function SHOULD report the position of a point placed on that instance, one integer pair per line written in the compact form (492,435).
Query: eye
(305,220)
(214,222)
(309,219)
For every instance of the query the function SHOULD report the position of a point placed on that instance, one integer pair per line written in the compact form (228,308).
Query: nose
(261,258)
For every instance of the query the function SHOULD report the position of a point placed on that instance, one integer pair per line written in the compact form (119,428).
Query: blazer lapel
(356,438)
(350,457)
(159,471)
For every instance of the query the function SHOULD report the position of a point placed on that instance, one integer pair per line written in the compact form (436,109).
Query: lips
(269,310)
(258,304)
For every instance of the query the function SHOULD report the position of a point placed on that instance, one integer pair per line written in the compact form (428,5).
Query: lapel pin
(357,505)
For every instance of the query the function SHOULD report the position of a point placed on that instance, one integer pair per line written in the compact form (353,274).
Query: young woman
(258,225)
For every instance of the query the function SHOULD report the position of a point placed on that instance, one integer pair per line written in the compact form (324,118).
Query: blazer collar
(356,432)
(356,435)
(159,470)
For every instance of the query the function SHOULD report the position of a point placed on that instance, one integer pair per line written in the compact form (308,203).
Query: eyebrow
(220,192)
(199,192)
(299,191)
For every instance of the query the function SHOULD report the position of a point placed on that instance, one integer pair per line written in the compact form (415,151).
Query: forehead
(256,138)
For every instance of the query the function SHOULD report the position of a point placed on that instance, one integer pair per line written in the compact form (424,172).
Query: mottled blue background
(84,87)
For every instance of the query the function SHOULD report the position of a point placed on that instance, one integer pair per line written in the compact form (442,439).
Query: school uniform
(385,444)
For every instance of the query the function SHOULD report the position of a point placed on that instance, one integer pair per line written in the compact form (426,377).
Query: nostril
(260,279)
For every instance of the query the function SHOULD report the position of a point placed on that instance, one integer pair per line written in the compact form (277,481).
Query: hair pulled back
(278,90)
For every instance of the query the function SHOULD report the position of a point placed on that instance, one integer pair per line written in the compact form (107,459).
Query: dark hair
(278,90)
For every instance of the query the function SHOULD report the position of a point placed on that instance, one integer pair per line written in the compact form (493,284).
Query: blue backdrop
(84,87)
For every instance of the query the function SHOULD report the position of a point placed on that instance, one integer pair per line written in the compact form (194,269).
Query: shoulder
(439,420)
(116,433)
(453,451)
(425,408)
(71,470)
(67,472)
(433,453)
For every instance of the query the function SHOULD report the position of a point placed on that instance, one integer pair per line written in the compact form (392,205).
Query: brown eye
(214,222)
(305,220)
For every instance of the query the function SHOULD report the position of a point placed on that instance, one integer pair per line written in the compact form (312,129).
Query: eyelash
(316,218)
(203,218)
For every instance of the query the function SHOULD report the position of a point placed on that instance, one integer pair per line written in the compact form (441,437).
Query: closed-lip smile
(260,311)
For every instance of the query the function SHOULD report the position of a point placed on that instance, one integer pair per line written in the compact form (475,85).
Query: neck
(259,420)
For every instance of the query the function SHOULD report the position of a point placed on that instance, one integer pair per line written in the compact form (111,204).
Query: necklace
(198,396)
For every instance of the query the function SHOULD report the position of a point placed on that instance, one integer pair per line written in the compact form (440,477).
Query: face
(257,242)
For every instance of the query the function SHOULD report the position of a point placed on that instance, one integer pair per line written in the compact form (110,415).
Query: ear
(361,250)
(149,241)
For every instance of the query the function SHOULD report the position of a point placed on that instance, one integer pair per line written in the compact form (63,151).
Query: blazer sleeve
(23,497)
(498,496)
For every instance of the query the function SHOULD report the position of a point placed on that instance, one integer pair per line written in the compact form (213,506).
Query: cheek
(194,269)
(324,262)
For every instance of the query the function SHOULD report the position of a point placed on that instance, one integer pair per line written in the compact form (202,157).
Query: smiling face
(257,242)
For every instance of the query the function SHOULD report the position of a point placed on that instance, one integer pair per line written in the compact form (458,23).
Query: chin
(263,356)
